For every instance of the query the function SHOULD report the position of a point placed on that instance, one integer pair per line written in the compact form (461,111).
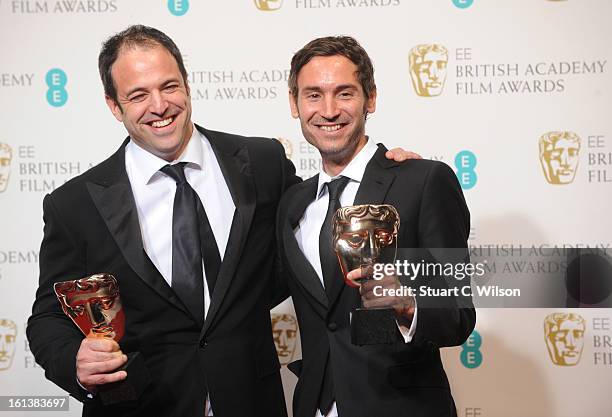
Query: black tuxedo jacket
(91,226)
(384,380)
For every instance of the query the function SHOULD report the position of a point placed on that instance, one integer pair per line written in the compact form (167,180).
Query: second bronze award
(365,235)
(94,305)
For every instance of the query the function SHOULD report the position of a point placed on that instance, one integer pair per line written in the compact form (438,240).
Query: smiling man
(332,92)
(183,217)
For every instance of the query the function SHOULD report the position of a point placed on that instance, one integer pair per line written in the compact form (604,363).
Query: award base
(373,326)
(129,389)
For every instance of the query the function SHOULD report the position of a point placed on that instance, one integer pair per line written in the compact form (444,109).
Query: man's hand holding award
(94,305)
(365,235)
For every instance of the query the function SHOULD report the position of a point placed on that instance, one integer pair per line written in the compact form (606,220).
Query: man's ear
(371,103)
(295,113)
(114,108)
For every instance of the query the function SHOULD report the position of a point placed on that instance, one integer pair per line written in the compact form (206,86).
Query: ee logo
(56,80)
(471,357)
(178,7)
(462,4)
(465,161)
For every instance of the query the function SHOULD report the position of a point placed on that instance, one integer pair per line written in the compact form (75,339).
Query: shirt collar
(148,165)
(354,170)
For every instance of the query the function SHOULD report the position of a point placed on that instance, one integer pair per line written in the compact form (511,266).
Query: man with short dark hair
(183,217)
(202,323)
(332,91)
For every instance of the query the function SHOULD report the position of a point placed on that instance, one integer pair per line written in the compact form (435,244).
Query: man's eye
(137,98)
(171,88)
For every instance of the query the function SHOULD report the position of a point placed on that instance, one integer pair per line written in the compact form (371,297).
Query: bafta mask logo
(364,235)
(428,64)
(287,145)
(559,156)
(284,330)
(8,337)
(6,155)
(268,5)
(93,304)
(564,335)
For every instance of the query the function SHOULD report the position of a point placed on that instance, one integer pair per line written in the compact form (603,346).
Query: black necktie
(329,261)
(192,241)
(331,272)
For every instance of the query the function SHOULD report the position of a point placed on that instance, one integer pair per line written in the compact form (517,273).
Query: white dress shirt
(308,230)
(154,196)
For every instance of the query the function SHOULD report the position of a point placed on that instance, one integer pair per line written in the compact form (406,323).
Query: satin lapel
(301,268)
(377,179)
(373,189)
(235,165)
(112,196)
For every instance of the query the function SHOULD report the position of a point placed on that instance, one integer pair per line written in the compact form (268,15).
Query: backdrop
(514,95)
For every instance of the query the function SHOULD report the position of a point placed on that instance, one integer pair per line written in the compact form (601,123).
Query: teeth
(162,123)
(330,128)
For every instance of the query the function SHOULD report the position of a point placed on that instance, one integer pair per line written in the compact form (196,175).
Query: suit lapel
(376,180)
(112,195)
(235,165)
(301,268)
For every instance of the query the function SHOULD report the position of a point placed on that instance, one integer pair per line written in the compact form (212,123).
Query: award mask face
(564,334)
(8,337)
(284,331)
(6,155)
(428,63)
(94,305)
(364,235)
(559,156)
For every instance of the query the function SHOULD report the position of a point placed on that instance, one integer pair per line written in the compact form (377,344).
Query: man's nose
(158,104)
(330,108)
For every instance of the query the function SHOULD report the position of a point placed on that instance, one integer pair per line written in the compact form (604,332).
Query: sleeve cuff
(89,395)
(408,333)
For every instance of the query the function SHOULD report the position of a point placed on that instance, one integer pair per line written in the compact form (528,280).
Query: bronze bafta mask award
(364,235)
(94,305)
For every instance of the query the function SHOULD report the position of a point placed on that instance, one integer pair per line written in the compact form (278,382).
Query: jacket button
(332,326)
(203,343)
